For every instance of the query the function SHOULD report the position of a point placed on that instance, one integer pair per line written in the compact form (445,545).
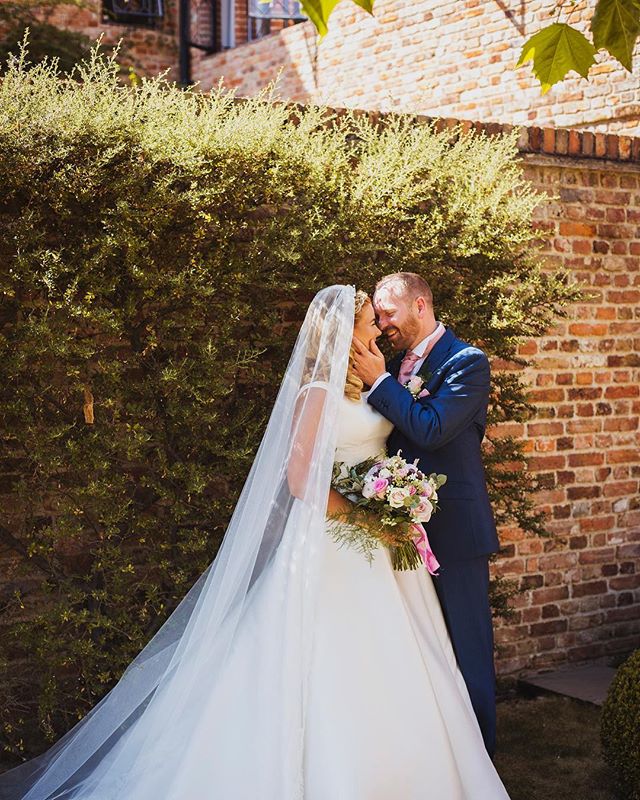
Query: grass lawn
(549,749)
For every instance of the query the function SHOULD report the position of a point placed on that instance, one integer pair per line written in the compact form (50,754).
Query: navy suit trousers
(463,591)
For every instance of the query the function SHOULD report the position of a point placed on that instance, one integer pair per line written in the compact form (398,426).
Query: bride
(293,668)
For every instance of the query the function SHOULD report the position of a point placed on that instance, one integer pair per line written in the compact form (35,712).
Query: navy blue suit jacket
(444,431)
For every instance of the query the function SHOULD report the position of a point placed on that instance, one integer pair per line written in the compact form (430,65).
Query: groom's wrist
(379,380)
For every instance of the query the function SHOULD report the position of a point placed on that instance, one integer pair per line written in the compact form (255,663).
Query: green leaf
(615,27)
(366,4)
(555,50)
(319,11)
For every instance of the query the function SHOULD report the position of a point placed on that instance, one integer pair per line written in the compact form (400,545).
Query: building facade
(449,59)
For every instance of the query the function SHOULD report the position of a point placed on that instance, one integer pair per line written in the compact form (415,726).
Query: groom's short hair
(411,285)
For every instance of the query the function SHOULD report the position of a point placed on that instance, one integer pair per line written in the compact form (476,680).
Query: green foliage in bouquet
(620,728)
(158,249)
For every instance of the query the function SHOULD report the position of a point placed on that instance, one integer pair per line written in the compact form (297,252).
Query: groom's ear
(422,306)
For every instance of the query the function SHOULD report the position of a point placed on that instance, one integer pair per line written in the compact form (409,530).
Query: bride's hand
(387,534)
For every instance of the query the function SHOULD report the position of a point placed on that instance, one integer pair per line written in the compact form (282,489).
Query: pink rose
(380,486)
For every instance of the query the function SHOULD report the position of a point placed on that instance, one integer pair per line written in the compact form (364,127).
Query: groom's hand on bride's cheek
(369,362)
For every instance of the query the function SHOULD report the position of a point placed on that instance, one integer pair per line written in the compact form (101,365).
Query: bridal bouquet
(401,496)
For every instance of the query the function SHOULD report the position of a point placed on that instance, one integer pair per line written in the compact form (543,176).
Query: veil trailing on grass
(136,740)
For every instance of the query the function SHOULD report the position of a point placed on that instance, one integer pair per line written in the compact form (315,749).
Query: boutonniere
(415,386)
(425,373)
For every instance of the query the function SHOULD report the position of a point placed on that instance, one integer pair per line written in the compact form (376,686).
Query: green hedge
(620,728)
(158,249)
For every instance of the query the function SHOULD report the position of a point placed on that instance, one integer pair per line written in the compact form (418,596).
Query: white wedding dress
(388,716)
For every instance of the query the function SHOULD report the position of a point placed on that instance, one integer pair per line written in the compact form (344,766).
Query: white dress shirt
(419,349)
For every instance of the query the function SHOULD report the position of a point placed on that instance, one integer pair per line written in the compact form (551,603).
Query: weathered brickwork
(149,50)
(582,585)
(452,59)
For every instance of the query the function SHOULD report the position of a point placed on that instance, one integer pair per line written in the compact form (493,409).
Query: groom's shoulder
(462,351)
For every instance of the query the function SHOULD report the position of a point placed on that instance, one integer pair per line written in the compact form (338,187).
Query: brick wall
(149,50)
(582,586)
(154,49)
(450,58)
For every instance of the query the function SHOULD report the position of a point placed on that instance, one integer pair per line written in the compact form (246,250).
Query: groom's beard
(401,341)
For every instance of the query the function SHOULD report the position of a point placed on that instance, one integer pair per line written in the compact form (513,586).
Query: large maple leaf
(554,51)
(615,27)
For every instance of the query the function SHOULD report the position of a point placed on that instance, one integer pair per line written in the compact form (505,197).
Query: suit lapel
(431,363)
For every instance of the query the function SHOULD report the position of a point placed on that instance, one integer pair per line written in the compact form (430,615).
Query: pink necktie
(407,365)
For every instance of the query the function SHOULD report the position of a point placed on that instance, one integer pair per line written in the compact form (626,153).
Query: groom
(443,429)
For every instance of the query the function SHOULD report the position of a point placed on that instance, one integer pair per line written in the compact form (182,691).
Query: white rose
(396,497)
(422,512)
(367,490)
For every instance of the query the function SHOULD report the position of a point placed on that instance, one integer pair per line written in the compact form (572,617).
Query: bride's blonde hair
(354,385)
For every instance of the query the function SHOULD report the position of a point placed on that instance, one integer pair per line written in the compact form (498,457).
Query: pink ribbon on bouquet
(424,549)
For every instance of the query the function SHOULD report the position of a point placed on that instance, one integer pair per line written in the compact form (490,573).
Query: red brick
(550,595)
(597,524)
(593,587)
(546,395)
(622,456)
(625,582)
(585,459)
(622,391)
(588,329)
(546,462)
(552,626)
(628,551)
(577,229)
(597,556)
(557,561)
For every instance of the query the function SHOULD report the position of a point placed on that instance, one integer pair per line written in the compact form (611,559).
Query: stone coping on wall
(565,142)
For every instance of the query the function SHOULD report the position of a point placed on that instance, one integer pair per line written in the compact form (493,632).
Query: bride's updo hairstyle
(354,385)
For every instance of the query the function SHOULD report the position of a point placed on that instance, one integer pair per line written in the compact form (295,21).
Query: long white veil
(139,740)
